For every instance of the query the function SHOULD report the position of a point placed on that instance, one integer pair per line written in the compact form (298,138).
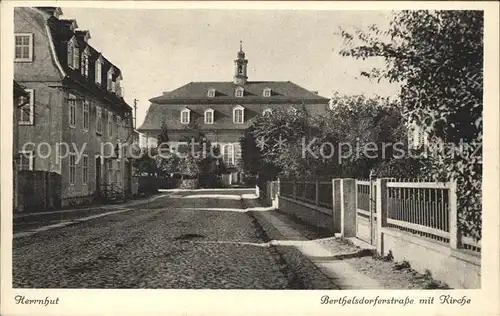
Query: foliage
(332,145)
(146,164)
(250,161)
(192,159)
(163,135)
(437,56)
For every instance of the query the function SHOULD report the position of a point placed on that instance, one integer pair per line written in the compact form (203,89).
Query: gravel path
(158,246)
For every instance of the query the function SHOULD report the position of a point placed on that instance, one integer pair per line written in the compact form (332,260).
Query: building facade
(222,111)
(76,121)
(20,97)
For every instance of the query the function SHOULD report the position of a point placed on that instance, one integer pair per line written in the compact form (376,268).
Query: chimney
(51,11)
(71,24)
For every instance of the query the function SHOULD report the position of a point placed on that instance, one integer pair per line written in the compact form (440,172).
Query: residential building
(76,105)
(222,111)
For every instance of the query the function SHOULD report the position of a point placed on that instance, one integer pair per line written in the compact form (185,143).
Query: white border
(211,302)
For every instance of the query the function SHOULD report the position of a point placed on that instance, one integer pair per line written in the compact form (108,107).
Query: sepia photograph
(217,148)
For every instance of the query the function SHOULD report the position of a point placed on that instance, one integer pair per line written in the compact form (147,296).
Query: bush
(189,184)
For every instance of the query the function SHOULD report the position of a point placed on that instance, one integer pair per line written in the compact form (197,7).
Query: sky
(161,50)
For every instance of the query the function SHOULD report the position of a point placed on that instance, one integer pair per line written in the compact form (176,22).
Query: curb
(96,207)
(300,270)
(64,224)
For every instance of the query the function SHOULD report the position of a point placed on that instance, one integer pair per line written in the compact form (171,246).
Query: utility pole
(135,113)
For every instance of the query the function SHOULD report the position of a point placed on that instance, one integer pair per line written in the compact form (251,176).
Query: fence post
(348,207)
(316,199)
(336,208)
(381,212)
(275,201)
(453,216)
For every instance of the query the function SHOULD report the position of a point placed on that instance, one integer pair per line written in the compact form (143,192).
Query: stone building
(75,106)
(224,110)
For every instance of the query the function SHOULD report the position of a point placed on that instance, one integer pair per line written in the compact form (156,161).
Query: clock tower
(240,68)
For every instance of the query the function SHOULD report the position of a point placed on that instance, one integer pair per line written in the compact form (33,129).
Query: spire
(240,73)
(241,53)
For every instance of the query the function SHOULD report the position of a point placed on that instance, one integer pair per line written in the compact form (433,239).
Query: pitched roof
(61,33)
(223,115)
(253,91)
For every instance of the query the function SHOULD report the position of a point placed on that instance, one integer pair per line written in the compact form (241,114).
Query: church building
(223,110)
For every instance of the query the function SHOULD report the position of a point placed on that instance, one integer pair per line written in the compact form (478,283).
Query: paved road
(179,241)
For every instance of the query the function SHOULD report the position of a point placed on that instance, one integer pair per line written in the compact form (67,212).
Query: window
(98,120)
(23,47)
(110,80)
(26,160)
(267,112)
(118,126)
(72,110)
(85,63)
(185,116)
(266,92)
(72,168)
(85,169)
(118,88)
(110,124)
(238,115)
(109,168)
(98,71)
(118,173)
(73,54)
(209,116)
(211,93)
(418,136)
(27,112)
(228,154)
(86,115)
(239,92)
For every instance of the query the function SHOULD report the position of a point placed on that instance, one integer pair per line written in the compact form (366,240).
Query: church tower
(240,68)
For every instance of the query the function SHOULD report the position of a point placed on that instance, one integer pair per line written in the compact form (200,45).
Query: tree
(311,146)
(270,134)
(437,56)
(146,164)
(250,153)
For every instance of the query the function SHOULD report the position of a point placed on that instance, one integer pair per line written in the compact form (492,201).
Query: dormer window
(211,93)
(238,115)
(98,70)
(266,92)
(73,54)
(109,85)
(117,87)
(267,112)
(85,63)
(185,116)
(239,92)
(209,116)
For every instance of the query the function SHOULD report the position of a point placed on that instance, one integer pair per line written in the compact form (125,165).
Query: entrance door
(127,185)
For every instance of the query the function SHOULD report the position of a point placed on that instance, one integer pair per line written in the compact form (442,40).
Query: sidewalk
(346,264)
(25,224)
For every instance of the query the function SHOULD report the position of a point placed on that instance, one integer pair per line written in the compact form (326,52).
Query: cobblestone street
(176,241)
